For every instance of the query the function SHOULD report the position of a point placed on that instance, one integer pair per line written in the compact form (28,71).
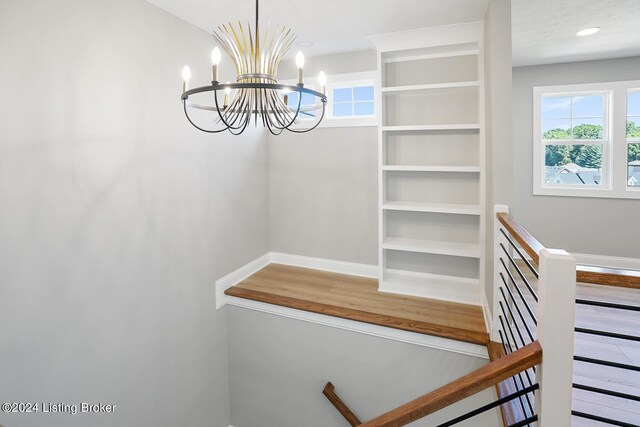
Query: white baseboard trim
(607,261)
(355,269)
(343,267)
(238,276)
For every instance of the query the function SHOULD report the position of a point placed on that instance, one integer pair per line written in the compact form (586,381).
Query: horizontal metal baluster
(602,419)
(519,375)
(607,334)
(515,304)
(490,405)
(524,258)
(520,273)
(607,392)
(607,363)
(515,285)
(608,305)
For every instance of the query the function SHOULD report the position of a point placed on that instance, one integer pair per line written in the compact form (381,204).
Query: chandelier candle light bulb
(186,76)
(300,64)
(227,92)
(215,61)
(322,79)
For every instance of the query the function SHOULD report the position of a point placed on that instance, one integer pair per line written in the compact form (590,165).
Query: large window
(575,135)
(587,140)
(633,138)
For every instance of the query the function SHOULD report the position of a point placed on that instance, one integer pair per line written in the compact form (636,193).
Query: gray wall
(351,62)
(116,217)
(582,225)
(279,366)
(323,194)
(323,185)
(498,131)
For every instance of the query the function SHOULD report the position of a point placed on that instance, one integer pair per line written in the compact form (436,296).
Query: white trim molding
(607,261)
(355,269)
(238,276)
(333,266)
(343,267)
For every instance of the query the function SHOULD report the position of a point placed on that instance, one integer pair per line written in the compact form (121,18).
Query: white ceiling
(544,31)
(333,26)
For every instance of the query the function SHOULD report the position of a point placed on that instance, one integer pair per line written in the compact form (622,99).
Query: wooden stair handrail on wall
(584,274)
(457,390)
(340,405)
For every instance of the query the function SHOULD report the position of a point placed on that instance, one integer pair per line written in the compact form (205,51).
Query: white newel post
(556,322)
(498,238)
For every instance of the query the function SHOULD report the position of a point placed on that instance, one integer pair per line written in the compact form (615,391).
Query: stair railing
(533,315)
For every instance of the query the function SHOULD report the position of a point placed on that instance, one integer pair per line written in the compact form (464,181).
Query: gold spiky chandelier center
(244,48)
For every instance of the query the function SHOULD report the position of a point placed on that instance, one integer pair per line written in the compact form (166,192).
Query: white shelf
(459,169)
(432,208)
(427,87)
(429,53)
(466,126)
(468,250)
(430,146)
(448,288)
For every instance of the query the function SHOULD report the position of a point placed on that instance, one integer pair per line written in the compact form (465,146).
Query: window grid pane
(633,127)
(633,165)
(343,95)
(580,117)
(363,93)
(573,165)
(343,109)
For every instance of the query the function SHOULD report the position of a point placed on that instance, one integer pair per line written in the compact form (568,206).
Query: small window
(574,135)
(352,101)
(633,138)
(307,106)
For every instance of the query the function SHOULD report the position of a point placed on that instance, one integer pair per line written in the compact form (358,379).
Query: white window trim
(614,151)
(336,81)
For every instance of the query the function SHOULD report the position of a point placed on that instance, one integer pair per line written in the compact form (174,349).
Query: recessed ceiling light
(588,31)
(305,44)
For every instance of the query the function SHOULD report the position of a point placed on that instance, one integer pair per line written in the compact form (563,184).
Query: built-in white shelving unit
(431,162)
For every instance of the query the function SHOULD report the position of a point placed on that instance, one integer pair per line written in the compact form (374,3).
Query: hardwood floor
(357,298)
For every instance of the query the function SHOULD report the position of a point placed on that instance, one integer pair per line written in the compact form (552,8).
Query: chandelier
(256,95)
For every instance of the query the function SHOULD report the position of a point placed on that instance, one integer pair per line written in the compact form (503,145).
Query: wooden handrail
(522,236)
(340,405)
(608,276)
(463,387)
(584,273)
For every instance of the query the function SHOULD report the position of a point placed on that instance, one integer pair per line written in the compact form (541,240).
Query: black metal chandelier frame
(239,117)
